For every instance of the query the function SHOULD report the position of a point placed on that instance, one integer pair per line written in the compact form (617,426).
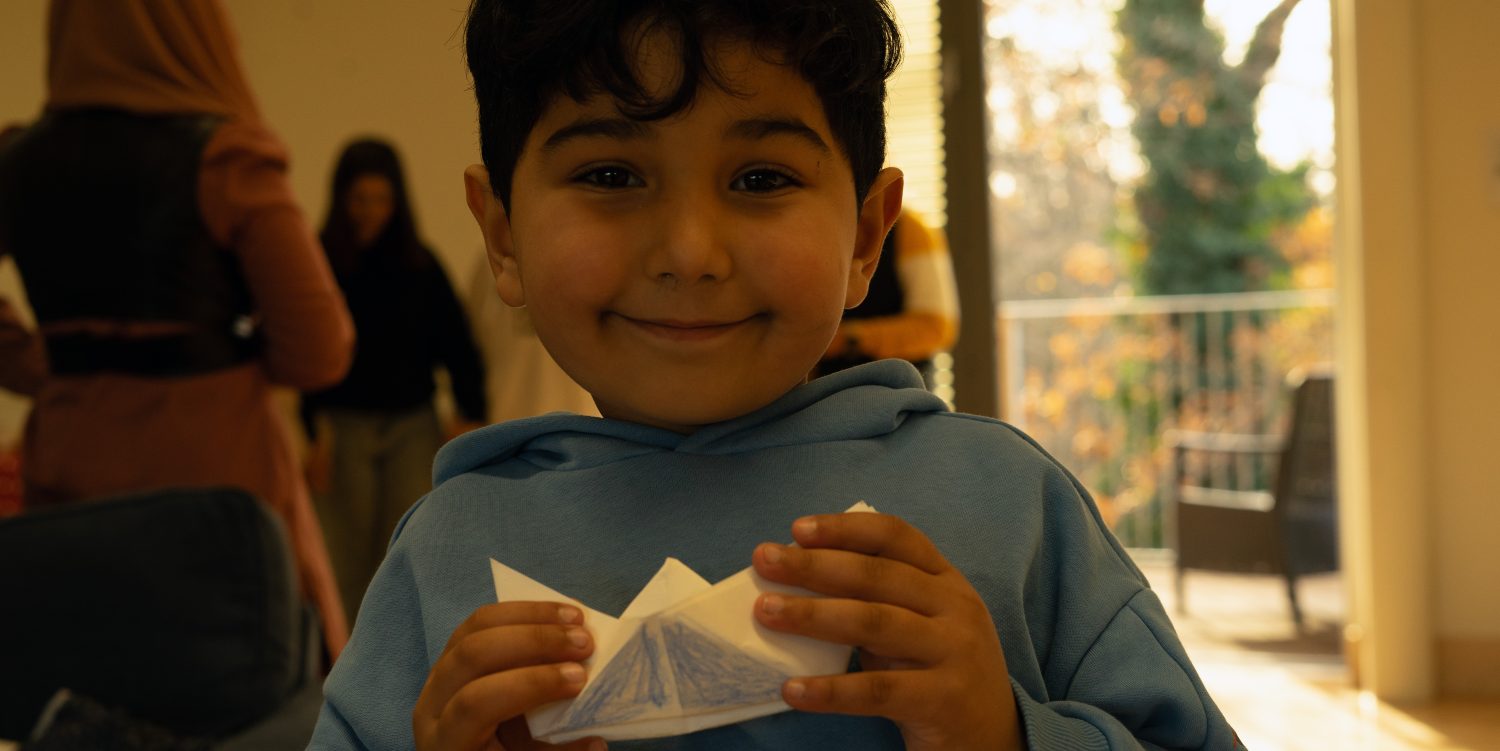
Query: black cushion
(178,606)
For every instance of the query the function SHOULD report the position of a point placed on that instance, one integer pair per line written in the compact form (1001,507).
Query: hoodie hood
(861,402)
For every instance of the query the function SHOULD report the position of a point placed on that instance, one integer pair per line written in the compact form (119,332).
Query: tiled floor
(1285,691)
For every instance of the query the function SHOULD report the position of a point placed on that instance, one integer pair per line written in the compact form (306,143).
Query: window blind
(914,105)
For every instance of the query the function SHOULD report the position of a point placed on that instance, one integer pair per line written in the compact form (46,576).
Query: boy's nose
(690,246)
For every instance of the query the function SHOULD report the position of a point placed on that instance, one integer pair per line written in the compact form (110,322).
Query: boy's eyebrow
(751,129)
(763,127)
(609,127)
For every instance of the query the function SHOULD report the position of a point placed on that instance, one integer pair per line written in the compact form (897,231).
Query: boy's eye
(763,181)
(611,177)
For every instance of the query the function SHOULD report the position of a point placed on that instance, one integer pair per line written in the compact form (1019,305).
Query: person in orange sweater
(911,312)
(174,280)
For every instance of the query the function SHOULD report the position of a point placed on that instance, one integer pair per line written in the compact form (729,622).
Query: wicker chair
(1289,530)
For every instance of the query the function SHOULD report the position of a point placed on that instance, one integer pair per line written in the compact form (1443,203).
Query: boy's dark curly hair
(522,53)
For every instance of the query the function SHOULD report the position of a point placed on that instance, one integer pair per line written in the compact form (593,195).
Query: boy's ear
(494,224)
(876,217)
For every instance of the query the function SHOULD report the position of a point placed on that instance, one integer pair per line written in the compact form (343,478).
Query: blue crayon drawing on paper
(712,673)
(685,655)
(707,671)
(631,685)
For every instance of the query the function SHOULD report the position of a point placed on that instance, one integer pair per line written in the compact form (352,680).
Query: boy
(686,195)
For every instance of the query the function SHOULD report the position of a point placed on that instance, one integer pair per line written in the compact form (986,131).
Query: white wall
(1460,155)
(1420,341)
(395,68)
(323,72)
(1460,126)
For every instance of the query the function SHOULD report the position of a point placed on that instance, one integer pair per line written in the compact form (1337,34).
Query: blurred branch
(1265,48)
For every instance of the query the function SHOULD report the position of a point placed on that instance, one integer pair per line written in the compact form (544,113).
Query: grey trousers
(382,463)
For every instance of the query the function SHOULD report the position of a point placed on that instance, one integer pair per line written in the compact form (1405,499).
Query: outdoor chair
(1289,530)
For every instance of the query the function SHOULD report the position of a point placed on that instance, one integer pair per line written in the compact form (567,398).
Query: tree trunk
(1265,48)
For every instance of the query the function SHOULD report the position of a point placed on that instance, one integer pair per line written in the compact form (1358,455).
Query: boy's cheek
(570,284)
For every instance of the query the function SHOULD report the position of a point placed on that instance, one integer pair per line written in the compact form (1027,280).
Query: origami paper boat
(684,656)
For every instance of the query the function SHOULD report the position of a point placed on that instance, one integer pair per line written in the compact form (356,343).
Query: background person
(375,459)
(173,278)
(911,312)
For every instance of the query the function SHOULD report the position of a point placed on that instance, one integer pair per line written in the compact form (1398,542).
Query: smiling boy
(686,270)
(686,196)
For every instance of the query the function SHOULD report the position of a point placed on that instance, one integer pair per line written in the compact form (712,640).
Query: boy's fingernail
(572,673)
(796,689)
(569,614)
(597,745)
(774,553)
(805,527)
(579,637)
(771,604)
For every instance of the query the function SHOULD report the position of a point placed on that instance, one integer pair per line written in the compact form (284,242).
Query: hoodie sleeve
(369,694)
(1135,689)
(1097,664)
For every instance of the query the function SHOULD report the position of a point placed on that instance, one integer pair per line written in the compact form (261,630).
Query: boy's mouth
(684,330)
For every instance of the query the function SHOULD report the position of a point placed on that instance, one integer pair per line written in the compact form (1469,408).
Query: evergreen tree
(1209,201)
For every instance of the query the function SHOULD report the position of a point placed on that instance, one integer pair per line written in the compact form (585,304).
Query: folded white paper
(684,656)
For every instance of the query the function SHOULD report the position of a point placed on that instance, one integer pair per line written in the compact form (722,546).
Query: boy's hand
(503,661)
(931,659)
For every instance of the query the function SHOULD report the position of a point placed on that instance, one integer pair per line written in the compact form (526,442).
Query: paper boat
(684,656)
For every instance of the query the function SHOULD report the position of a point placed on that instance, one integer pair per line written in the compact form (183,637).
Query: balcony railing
(1098,381)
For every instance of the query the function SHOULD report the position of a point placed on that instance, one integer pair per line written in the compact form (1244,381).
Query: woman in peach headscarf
(173,278)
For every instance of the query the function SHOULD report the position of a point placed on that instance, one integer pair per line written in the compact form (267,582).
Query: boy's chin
(686,415)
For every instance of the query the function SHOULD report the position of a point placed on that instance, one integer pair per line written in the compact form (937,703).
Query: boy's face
(693,269)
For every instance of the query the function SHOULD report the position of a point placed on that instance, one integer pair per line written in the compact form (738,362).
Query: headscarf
(147,57)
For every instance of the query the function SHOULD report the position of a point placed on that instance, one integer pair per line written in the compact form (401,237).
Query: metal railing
(1098,381)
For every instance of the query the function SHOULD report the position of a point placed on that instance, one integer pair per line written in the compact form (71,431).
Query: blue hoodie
(590,507)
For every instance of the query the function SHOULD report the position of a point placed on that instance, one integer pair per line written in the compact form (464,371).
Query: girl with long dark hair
(375,457)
